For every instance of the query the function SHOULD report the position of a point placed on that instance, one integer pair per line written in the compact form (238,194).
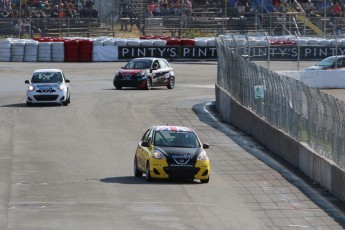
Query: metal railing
(306,114)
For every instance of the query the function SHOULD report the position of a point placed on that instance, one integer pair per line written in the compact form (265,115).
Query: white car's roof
(47,70)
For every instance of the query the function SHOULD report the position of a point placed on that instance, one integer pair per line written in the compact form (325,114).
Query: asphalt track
(70,168)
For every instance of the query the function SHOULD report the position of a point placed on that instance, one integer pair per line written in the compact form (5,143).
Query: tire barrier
(81,49)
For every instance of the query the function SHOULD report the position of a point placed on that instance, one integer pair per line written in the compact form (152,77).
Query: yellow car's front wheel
(137,172)
(147,172)
(204,181)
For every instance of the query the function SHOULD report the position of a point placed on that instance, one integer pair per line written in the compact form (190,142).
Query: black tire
(65,103)
(137,172)
(205,181)
(118,86)
(171,84)
(148,84)
(69,99)
(28,103)
(147,173)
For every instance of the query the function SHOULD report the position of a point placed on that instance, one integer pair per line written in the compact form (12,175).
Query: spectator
(165,7)
(89,4)
(41,14)
(157,11)
(336,10)
(241,6)
(151,6)
(68,11)
(177,8)
(148,13)
(309,8)
(9,7)
(46,5)
(93,12)
(55,12)
(186,7)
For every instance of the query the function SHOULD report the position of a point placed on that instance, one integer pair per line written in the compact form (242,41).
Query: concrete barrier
(300,155)
(321,79)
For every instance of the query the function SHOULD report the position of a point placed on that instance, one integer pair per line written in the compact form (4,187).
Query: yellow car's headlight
(202,156)
(158,155)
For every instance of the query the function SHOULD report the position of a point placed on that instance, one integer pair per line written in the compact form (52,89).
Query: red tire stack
(173,42)
(85,50)
(187,42)
(71,50)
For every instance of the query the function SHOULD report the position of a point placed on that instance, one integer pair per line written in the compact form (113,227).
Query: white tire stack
(200,42)
(211,42)
(30,54)
(146,42)
(133,42)
(17,50)
(44,52)
(58,51)
(109,42)
(121,42)
(159,42)
(5,50)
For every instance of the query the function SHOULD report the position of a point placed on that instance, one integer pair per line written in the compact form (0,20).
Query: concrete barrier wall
(321,79)
(300,155)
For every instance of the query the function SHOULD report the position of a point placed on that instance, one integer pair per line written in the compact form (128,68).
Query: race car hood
(130,71)
(315,67)
(173,151)
(45,86)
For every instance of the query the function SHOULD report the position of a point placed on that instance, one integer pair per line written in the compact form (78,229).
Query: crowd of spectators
(161,8)
(311,8)
(48,8)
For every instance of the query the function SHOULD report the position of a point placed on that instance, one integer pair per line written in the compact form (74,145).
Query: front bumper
(37,98)
(161,170)
(138,83)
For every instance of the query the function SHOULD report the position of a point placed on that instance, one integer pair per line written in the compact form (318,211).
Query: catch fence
(306,114)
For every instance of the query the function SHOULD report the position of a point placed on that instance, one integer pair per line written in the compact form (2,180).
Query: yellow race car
(171,152)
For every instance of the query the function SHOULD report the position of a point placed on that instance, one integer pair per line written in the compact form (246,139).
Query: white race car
(48,86)
(330,63)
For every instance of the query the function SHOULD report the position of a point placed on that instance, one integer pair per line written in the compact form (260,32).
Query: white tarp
(105,53)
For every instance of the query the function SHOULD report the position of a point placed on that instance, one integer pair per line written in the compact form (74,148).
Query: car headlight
(141,74)
(158,155)
(202,156)
(31,87)
(61,87)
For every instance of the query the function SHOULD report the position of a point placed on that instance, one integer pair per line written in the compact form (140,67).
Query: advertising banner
(168,52)
(210,53)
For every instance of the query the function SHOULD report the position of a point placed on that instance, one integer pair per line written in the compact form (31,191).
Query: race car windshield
(176,139)
(328,62)
(47,77)
(138,64)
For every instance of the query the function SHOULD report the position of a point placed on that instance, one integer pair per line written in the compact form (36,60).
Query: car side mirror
(27,82)
(67,81)
(145,144)
(205,146)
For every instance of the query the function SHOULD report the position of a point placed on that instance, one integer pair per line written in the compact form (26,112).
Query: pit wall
(314,166)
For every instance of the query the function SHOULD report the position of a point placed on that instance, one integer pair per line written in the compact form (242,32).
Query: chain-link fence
(307,114)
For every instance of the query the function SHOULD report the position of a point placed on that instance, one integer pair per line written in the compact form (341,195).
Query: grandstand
(100,18)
